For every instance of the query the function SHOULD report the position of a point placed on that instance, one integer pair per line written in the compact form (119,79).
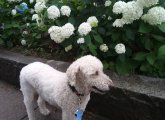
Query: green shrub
(127,45)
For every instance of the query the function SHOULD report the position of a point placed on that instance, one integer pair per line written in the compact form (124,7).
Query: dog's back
(41,77)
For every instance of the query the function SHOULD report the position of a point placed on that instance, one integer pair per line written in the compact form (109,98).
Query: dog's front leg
(68,115)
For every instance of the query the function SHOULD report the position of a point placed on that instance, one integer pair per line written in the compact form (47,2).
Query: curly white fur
(85,74)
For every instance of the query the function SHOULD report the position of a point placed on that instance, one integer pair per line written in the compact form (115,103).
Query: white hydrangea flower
(55,34)
(84,28)
(27,24)
(31,1)
(39,7)
(132,11)
(14,12)
(92,21)
(120,48)
(80,41)
(155,16)
(68,48)
(65,10)
(53,12)
(104,16)
(118,7)
(95,4)
(35,17)
(31,10)
(25,32)
(42,1)
(67,30)
(14,1)
(147,3)
(109,18)
(23,42)
(104,48)
(107,3)
(60,1)
(118,23)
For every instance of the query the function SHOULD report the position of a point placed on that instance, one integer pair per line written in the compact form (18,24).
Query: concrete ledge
(133,98)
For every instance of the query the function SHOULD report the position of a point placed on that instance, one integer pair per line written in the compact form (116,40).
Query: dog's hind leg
(42,106)
(28,94)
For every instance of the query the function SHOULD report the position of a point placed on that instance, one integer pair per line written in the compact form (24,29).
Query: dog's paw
(45,112)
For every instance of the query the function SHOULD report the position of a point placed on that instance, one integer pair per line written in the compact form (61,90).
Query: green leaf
(88,39)
(140,56)
(9,44)
(145,67)
(130,34)
(71,20)
(92,49)
(101,30)
(122,68)
(38,36)
(1,41)
(98,38)
(161,51)
(162,27)
(144,28)
(148,44)
(159,38)
(151,58)
(115,36)
(105,64)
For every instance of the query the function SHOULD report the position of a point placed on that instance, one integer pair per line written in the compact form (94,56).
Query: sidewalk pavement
(12,106)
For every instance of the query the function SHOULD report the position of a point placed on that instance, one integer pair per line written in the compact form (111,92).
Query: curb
(135,97)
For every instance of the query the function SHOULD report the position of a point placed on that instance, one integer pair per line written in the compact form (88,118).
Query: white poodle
(68,91)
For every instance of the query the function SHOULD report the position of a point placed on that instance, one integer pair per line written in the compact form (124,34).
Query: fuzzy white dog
(68,91)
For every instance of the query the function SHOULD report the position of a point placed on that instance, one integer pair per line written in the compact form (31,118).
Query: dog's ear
(72,72)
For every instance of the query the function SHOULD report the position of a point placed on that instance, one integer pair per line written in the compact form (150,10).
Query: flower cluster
(104,48)
(39,7)
(107,3)
(23,42)
(131,11)
(120,48)
(14,12)
(55,34)
(147,3)
(80,41)
(37,19)
(59,34)
(84,28)
(92,21)
(118,7)
(10,1)
(65,10)
(53,12)
(44,1)
(31,1)
(67,30)
(155,16)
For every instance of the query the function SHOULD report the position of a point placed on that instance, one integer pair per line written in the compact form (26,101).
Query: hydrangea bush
(128,36)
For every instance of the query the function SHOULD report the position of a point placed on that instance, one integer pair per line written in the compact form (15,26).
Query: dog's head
(86,75)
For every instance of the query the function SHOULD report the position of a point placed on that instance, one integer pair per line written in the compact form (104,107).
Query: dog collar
(75,91)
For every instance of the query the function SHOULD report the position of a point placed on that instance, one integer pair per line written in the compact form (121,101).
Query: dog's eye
(96,73)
